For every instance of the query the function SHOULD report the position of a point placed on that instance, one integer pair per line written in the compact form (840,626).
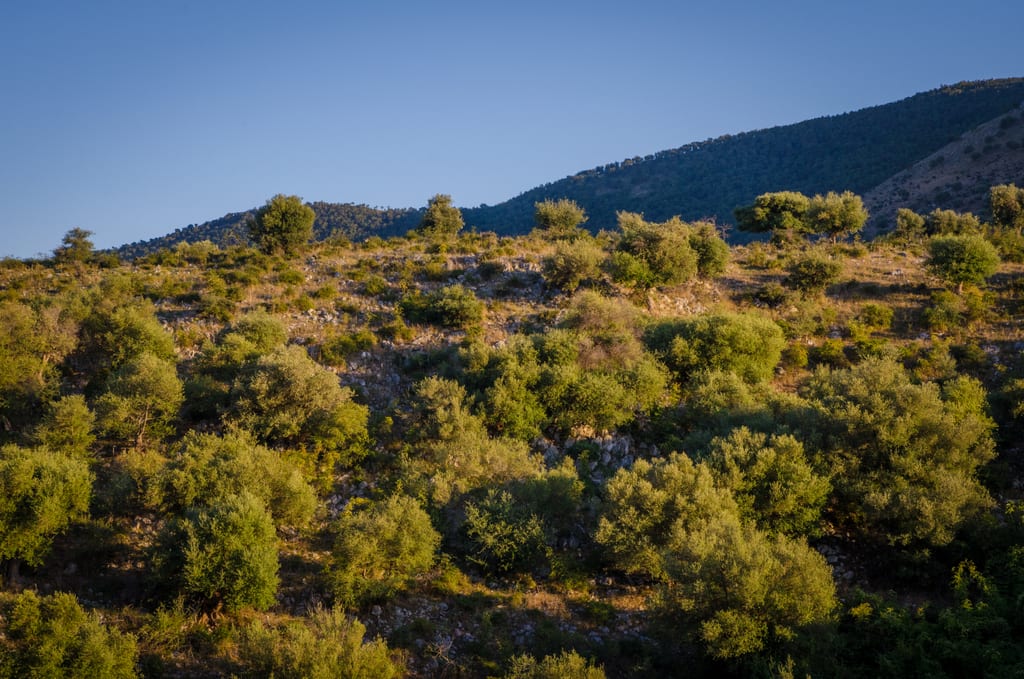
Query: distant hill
(857,151)
(957,176)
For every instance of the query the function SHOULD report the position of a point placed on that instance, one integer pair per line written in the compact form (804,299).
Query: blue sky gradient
(134,118)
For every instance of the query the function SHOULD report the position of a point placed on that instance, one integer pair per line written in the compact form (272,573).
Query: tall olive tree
(442,220)
(75,246)
(41,494)
(1007,204)
(780,213)
(836,214)
(284,225)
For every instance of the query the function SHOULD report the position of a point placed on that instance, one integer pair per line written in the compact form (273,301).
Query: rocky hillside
(957,176)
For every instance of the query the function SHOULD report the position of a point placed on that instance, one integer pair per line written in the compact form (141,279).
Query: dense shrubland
(636,453)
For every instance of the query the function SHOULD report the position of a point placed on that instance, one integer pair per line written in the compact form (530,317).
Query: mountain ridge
(857,150)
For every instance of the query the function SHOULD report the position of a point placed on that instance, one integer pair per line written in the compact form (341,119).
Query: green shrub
(381,549)
(573,263)
(795,355)
(712,251)
(962,259)
(876,316)
(944,313)
(904,456)
(772,295)
(142,399)
(565,665)
(290,277)
(812,273)
(206,469)
(831,352)
(288,398)
(328,645)
(336,349)
(224,554)
(216,307)
(772,480)
(1009,243)
(375,285)
(451,307)
(67,426)
(748,344)
(740,588)
(41,494)
(51,636)
(559,219)
(651,254)
(325,292)
(505,536)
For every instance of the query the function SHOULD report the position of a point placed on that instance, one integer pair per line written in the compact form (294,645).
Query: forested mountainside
(644,453)
(854,151)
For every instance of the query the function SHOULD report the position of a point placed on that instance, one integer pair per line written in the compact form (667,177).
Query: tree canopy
(962,259)
(559,218)
(836,214)
(442,220)
(283,225)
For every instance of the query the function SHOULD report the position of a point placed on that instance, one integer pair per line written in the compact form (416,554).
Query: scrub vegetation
(452,453)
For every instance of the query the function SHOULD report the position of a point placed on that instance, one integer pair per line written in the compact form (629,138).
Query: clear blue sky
(133,118)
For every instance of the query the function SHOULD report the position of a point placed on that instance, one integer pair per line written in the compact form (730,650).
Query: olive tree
(52,636)
(143,397)
(559,218)
(67,426)
(772,479)
(573,263)
(836,214)
(224,554)
(1006,202)
(780,213)
(206,469)
(381,549)
(743,588)
(41,494)
(33,342)
(740,587)
(288,398)
(75,246)
(283,225)
(748,344)
(650,254)
(442,220)
(903,457)
(812,272)
(962,259)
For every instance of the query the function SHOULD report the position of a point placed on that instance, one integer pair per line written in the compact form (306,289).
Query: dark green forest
(454,453)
